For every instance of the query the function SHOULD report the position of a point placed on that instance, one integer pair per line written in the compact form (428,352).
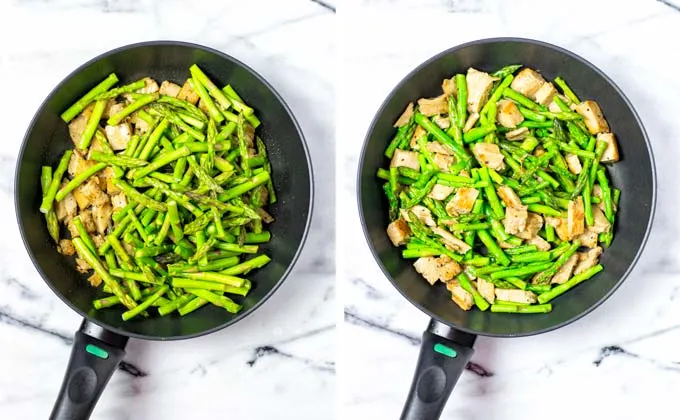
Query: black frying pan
(47,138)
(455,329)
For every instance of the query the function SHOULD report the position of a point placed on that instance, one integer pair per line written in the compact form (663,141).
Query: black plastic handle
(95,356)
(444,353)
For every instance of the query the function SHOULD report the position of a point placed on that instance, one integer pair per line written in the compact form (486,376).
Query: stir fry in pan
(164,195)
(498,188)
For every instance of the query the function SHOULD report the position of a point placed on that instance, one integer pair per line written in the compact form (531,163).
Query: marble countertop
(260,368)
(619,362)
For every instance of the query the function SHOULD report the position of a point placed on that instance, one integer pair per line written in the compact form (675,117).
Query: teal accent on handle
(97,351)
(446,351)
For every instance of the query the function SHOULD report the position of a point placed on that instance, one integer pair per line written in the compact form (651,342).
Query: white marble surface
(620,362)
(262,368)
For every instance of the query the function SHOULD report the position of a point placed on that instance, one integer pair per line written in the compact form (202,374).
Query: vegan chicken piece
(406,159)
(463,201)
(188,94)
(451,241)
(141,125)
(101,213)
(398,232)
(600,222)
(99,144)
(460,296)
(515,295)
(509,196)
(442,122)
(436,147)
(489,155)
(422,213)
(470,123)
(487,290)
(573,163)
(440,192)
(118,135)
(113,107)
(433,106)
(169,89)
(405,116)
(443,162)
(87,219)
(517,134)
(533,226)
(553,107)
(611,153)
(417,134)
(72,228)
(508,114)
(118,201)
(67,208)
(575,218)
(98,240)
(545,94)
(541,244)
(94,280)
(587,260)
(449,87)
(589,239)
(106,181)
(82,266)
(565,271)
(515,220)
(78,164)
(527,82)
(592,116)
(66,247)
(88,193)
(479,85)
(562,230)
(437,268)
(150,86)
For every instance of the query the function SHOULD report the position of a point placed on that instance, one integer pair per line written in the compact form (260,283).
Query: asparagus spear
(90,96)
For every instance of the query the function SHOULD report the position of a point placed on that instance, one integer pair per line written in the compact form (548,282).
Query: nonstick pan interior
(634,175)
(47,138)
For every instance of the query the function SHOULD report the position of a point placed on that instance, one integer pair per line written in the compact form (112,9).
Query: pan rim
(298,129)
(561,50)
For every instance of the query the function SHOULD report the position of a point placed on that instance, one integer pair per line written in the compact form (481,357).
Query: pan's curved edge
(587,63)
(228,57)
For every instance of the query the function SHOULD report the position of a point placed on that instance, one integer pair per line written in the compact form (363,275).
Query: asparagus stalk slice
(145,304)
(569,284)
(136,105)
(192,305)
(222,301)
(200,89)
(111,282)
(521,309)
(79,179)
(120,90)
(89,97)
(461,110)
(92,125)
(50,216)
(49,197)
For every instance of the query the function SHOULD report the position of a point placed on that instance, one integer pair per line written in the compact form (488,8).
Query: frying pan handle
(95,355)
(444,353)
